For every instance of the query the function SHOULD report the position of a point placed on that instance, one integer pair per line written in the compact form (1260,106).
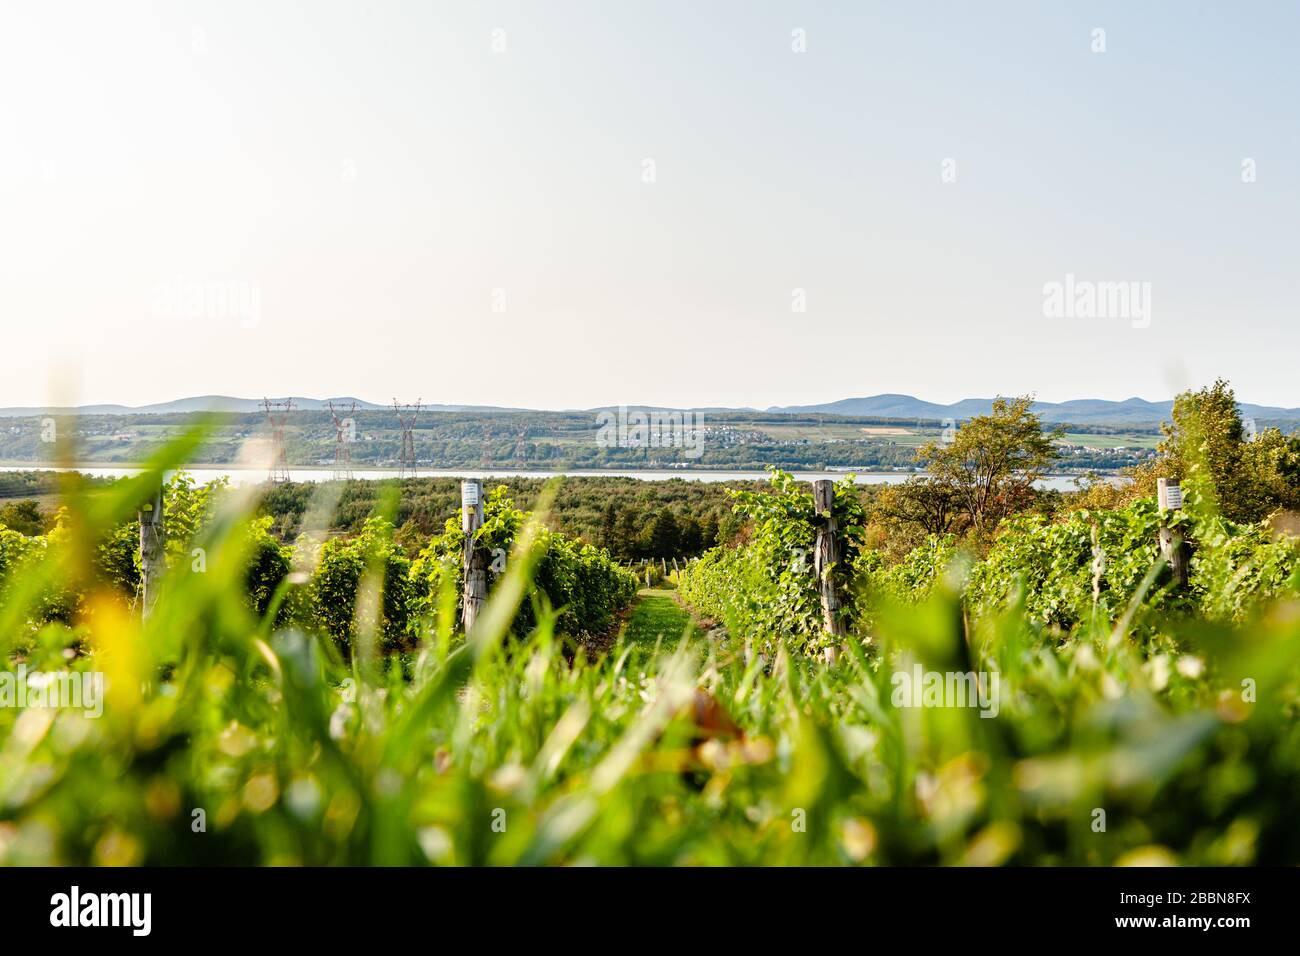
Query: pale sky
(368,183)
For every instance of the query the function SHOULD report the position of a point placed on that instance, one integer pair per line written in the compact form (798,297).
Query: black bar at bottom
(217,906)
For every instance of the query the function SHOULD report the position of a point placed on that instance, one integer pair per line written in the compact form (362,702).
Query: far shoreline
(1057,480)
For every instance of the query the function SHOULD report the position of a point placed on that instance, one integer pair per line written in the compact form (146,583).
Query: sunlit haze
(564,205)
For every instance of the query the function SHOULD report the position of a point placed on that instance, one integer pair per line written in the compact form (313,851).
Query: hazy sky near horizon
(453,200)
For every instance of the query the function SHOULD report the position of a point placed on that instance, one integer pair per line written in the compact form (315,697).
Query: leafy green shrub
(1237,568)
(766,589)
(268,564)
(188,511)
(57,600)
(1056,567)
(578,579)
(16,550)
(117,559)
(343,565)
(14,547)
(912,578)
(1055,564)
(24,516)
(731,586)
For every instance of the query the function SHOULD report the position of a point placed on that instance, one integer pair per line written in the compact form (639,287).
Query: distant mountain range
(1089,411)
(1082,411)
(217,403)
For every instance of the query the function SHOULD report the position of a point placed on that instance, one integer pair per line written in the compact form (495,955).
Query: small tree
(662,535)
(25,517)
(932,504)
(1272,464)
(1207,438)
(993,461)
(609,528)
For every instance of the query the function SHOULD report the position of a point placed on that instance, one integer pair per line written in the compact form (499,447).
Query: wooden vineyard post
(153,541)
(474,589)
(825,556)
(1169,496)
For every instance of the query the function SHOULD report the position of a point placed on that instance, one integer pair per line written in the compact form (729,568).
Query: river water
(249,476)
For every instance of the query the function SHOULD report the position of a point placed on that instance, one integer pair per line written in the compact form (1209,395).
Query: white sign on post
(469,493)
(1170,495)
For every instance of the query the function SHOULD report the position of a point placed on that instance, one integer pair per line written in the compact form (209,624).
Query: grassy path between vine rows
(656,614)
